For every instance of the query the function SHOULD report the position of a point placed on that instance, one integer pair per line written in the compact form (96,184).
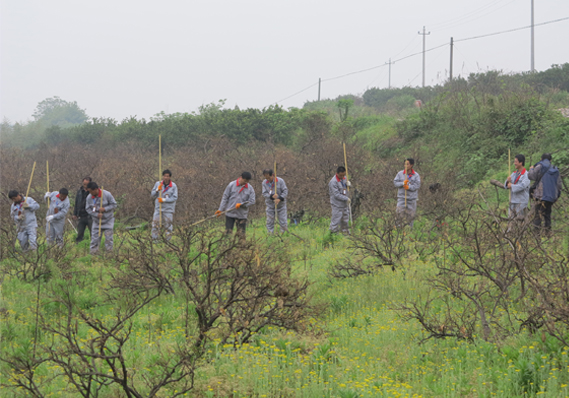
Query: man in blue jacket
(546,189)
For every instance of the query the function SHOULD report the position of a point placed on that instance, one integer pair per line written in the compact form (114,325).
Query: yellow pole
(30,183)
(100,219)
(347,179)
(160,175)
(509,173)
(275,183)
(48,204)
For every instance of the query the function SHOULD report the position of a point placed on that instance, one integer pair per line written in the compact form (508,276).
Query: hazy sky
(124,58)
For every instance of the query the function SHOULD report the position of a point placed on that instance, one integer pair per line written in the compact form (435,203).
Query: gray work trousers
(96,241)
(281,214)
(167,223)
(54,232)
(340,219)
(406,214)
(28,239)
(517,210)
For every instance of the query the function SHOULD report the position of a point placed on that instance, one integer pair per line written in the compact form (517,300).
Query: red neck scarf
(244,186)
(338,178)
(99,195)
(412,172)
(521,174)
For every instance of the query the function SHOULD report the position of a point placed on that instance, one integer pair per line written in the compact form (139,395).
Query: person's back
(545,190)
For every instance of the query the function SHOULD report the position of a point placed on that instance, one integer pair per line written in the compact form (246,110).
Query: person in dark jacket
(542,205)
(80,213)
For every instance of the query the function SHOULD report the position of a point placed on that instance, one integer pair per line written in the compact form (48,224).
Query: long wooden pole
(101,218)
(160,176)
(48,198)
(275,183)
(347,179)
(509,173)
(30,183)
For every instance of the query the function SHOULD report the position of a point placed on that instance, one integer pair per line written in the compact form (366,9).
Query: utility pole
(451,48)
(389,84)
(532,41)
(319,83)
(424,34)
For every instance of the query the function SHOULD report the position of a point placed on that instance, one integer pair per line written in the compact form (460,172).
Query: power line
(513,30)
(420,52)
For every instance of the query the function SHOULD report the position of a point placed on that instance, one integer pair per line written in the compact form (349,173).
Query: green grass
(360,347)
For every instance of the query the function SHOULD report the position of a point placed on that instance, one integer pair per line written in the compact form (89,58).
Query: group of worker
(94,207)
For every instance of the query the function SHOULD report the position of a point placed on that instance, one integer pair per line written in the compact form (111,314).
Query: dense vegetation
(459,305)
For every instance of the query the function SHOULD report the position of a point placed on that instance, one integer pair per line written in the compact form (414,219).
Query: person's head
(166,176)
(15,196)
(409,163)
(86,181)
(63,193)
(341,172)
(519,161)
(93,188)
(245,178)
(546,156)
(269,175)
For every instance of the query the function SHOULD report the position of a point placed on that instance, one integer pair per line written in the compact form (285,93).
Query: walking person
(101,207)
(58,208)
(545,191)
(340,201)
(237,198)
(408,183)
(165,193)
(80,212)
(275,192)
(23,212)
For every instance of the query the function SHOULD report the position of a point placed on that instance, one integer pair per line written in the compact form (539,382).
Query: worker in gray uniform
(101,206)
(408,183)
(275,193)
(238,196)
(58,208)
(340,201)
(166,194)
(23,212)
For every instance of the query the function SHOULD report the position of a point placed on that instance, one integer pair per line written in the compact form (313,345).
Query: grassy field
(359,347)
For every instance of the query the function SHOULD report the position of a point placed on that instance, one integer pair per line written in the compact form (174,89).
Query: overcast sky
(124,58)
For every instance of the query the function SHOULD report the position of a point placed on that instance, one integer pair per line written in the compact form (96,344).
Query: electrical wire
(513,30)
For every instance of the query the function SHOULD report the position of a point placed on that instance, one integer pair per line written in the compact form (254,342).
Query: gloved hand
(159,187)
(218,213)
(406,186)
(238,205)
(46,195)
(25,205)
(349,200)
(349,183)
(406,182)
(21,216)
(56,210)
(49,218)
(160,200)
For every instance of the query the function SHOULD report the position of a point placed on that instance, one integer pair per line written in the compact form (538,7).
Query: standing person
(58,208)
(545,190)
(408,183)
(80,212)
(23,212)
(275,193)
(237,198)
(340,201)
(168,200)
(101,206)
(518,183)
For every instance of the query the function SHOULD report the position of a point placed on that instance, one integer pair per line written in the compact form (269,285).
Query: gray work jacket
(30,220)
(338,190)
(169,197)
(414,184)
(269,191)
(109,204)
(520,187)
(235,193)
(62,207)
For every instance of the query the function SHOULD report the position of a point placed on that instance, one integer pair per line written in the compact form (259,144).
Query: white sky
(124,58)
